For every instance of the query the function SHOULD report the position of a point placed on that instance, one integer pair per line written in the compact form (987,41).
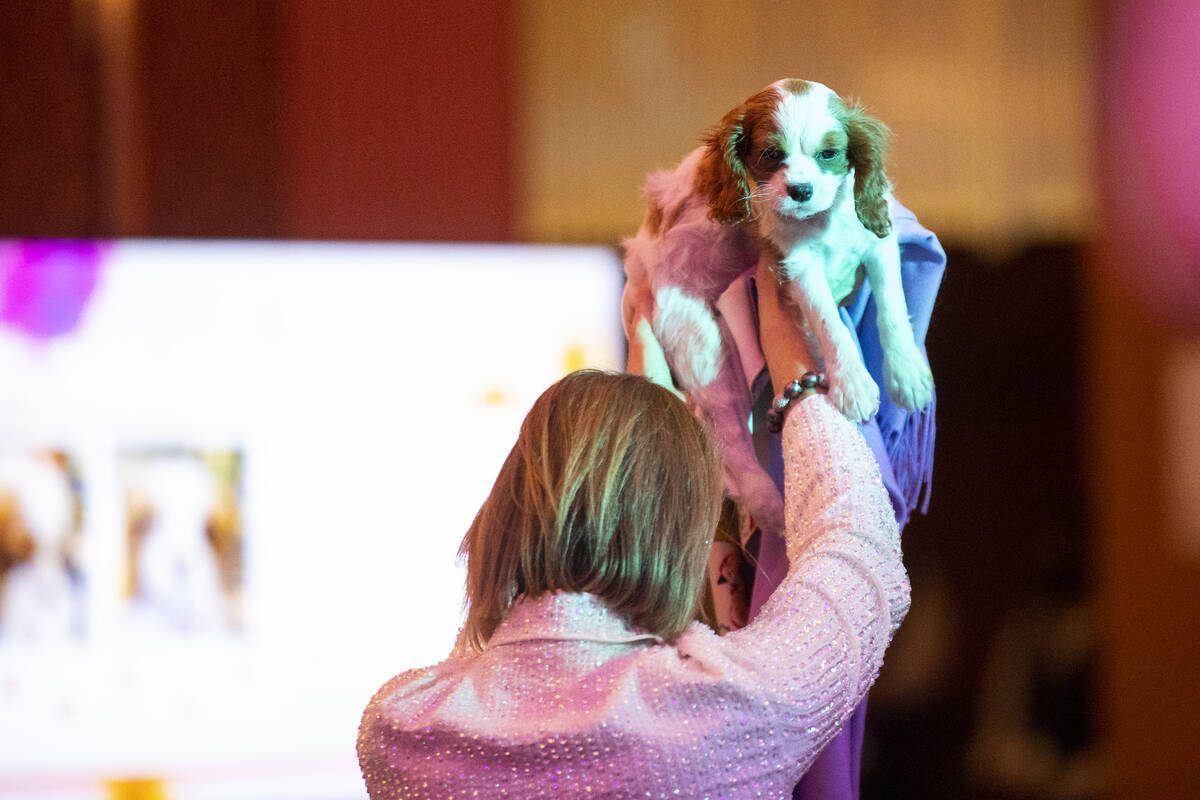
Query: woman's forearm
(823,631)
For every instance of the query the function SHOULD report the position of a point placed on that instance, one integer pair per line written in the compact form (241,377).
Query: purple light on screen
(45,285)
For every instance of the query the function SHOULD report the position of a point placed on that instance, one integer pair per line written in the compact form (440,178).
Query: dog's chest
(843,271)
(838,252)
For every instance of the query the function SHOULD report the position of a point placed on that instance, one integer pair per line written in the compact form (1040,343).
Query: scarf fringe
(910,451)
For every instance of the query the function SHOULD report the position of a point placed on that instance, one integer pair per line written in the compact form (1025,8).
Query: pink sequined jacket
(567,700)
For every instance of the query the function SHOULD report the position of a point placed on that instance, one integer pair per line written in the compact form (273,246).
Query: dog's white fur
(794,176)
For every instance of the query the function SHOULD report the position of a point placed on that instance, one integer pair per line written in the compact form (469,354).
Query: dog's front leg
(803,285)
(906,375)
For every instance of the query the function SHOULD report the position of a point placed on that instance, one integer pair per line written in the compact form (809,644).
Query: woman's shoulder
(703,652)
(740,663)
(412,687)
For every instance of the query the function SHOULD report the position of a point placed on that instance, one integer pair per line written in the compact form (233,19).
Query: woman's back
(568,699)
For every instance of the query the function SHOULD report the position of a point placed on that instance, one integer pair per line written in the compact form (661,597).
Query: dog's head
(788,151)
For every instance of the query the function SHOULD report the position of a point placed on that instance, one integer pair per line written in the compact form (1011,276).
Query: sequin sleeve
(818,641)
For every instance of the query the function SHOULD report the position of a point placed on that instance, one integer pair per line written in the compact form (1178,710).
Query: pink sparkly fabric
(567,700)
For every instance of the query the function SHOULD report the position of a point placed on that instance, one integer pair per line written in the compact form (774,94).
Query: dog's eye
(827,154)
(772,153)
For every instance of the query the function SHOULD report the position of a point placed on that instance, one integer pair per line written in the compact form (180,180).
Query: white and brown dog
(793,176)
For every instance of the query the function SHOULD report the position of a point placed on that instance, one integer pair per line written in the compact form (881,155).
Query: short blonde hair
(613,488)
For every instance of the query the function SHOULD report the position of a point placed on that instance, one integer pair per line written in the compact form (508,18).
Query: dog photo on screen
(41,578)
(183,565)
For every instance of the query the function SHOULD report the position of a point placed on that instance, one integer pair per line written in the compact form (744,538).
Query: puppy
(39,597)
(175,577)
(793,176)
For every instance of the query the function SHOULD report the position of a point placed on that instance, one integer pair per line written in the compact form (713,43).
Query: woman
(580,672)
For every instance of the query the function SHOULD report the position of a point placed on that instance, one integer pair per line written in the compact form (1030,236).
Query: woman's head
(612,488)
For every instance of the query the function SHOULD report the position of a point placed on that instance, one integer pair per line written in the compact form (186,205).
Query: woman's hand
(788,352)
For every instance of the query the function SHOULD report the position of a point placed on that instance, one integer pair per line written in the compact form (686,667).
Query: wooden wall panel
(308,119)
(990,103)
(1143,368)
(209,71)
(49,182)
(397,120)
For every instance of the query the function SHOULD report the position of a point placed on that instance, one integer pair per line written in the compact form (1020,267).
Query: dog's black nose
(800,192)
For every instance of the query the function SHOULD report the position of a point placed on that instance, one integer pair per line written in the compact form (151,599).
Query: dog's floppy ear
(866,151)
(721,176)
(16,545)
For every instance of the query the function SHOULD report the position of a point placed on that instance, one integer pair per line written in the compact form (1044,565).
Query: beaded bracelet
(779,406)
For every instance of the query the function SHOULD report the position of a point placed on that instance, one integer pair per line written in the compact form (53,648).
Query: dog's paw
(853,392)
(758,495)
(907,379)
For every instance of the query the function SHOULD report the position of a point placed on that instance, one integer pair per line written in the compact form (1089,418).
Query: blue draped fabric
(903,445)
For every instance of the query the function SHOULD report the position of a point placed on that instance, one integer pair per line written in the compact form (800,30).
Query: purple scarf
(903,446)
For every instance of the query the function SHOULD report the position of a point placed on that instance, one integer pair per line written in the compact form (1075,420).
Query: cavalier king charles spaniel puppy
(793,176)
